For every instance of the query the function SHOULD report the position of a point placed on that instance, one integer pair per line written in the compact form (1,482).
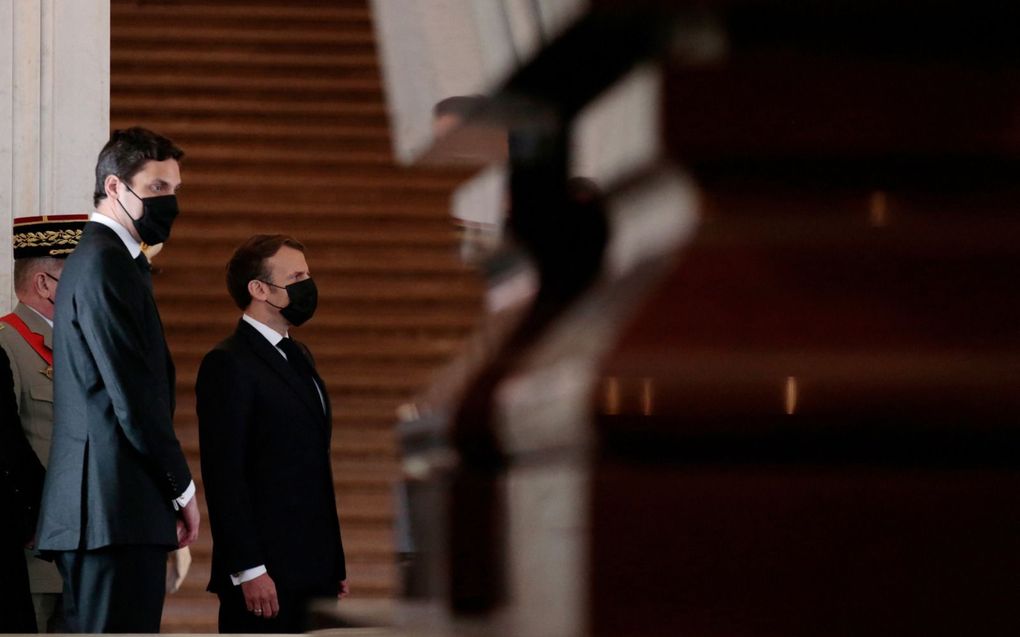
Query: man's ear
(110,185)
(39,280)
(257,290)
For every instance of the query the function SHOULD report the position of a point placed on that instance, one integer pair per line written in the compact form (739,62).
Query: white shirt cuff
(247,575)
(182,500)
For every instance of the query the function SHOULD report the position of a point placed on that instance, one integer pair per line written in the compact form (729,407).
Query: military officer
(41,244)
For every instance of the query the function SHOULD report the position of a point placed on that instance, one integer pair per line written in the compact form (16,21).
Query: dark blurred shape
(809,427)
(562,226)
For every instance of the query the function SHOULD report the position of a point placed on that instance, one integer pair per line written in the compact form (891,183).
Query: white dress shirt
(133,246)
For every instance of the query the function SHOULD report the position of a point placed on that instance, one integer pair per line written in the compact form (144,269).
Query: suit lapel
(272,357)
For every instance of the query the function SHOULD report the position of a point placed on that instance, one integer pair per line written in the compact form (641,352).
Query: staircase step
(381,382)
(219,128)
(373,575)
(289,153)
(366,350)
(365,408)
(441,236)
(363,442)
(367,543)
(226,80)
(372,207)
(197,35)
(126,59)
(124,10)
(226,174)
(214,127)
(348,482)
(371,110)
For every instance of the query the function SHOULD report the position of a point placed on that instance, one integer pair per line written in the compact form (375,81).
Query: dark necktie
(299,362)
(143,265)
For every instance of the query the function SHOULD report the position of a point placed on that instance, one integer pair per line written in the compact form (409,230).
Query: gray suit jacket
(115,463)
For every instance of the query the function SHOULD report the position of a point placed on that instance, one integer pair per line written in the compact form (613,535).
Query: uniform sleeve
(225,403)
(111,315)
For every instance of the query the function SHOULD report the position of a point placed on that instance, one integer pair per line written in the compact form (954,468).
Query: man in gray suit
(118,493)
(41,244)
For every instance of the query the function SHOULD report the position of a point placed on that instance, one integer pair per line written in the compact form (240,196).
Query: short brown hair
(126,153)
(249,263)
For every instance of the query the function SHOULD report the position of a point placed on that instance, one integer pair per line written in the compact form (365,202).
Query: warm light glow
(878,209)
(791,395)
(647,396)
(612,406)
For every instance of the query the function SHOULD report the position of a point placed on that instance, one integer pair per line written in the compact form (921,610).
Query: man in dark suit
(265,426)
(21,479)
(118,493)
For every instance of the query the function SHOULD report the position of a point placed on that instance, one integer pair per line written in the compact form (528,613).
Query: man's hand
(177,568)
(345,590)
(187,523)
(260,596)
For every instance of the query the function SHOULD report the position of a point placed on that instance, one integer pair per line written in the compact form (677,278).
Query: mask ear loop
(52,301)
(279,307)
(133,220)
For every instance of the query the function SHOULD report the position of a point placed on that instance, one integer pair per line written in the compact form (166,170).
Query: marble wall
(54,111)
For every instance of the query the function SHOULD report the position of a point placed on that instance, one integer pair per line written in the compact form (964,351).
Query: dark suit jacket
(115,463)
(266,468)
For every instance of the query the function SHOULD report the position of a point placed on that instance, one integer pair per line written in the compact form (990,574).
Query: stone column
(54,111)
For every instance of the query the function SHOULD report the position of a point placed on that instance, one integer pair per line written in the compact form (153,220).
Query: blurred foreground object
(778,396)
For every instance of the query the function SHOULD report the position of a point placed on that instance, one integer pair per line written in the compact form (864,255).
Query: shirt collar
(269,333)
(133,246)
(48,322)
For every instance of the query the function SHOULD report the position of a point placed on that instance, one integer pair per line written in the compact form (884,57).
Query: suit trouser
(49,612)
(16,613)
(115,589)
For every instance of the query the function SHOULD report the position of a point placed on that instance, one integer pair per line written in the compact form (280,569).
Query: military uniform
(33,389)
(55,237)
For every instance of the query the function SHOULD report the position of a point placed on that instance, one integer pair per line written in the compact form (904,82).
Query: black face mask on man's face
(304,298)
(158,214)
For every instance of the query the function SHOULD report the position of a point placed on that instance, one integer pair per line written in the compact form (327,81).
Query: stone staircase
(280,110)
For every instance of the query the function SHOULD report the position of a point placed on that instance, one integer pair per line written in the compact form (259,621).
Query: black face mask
(304,298)
(158,214)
